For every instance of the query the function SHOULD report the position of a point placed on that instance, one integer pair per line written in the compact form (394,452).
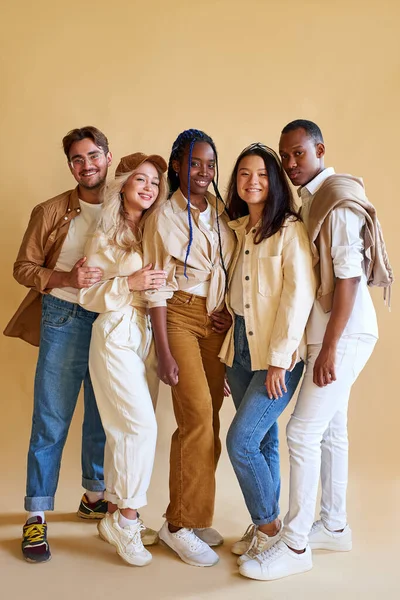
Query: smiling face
(252,180)
(202,169)
(301,157)
(88,164)
(141,190)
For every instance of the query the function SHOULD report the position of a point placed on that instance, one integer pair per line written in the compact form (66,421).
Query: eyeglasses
(79,161)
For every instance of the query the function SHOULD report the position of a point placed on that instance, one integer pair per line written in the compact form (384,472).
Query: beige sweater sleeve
(297,298)
(112,292)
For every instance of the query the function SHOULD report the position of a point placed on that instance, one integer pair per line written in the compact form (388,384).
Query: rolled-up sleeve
(156,253)
(347,249)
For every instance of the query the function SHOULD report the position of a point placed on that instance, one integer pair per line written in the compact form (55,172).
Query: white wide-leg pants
(122,365)
(318,443)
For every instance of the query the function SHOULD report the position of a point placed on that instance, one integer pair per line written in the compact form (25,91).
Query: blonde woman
(122,359)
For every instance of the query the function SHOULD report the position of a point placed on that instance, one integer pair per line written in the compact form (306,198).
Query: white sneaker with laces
(209,535)
(241,546)
(190,548)
(260,542)
(277,562)
(321,538)
(126,540)
(148,535)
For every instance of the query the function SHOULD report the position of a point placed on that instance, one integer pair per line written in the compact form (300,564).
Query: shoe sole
(332,547)
(114,542)
(91,516)
(36,562)
(146,541)
(278,576)
(186,560)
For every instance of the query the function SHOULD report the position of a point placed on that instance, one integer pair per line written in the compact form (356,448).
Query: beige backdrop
(142,72)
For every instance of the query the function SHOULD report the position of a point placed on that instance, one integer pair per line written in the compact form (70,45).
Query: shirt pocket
(269,275)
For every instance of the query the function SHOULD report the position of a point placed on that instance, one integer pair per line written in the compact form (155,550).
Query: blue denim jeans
(62,366)
(252,442)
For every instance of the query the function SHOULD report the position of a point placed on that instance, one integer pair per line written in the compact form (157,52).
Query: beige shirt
(278,293)
(112,292)
(165,242)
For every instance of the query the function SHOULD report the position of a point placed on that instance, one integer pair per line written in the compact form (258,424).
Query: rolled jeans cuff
(93,485)
(267,520)
(42,503)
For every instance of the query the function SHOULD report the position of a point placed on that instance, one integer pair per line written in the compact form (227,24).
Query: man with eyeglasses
(51,263)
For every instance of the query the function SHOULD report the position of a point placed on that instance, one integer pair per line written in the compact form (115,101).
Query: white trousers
(318,443)
(123,369)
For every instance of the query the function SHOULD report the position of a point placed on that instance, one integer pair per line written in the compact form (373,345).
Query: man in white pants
(341,335)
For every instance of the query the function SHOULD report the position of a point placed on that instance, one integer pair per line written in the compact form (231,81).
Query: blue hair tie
(192,143)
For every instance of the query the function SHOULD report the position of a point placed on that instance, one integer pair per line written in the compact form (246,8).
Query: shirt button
(65,218)
(68,210)
(78,210)
(247,278)
(247,251)
(253,231)
(250,333)
(247,305)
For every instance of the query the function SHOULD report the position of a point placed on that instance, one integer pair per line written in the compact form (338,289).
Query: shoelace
(189,536)
(263,556)
(256,546)
(133,536)
(35,533)
(249,533)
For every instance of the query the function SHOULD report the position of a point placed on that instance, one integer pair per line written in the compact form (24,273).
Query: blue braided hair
(186,139)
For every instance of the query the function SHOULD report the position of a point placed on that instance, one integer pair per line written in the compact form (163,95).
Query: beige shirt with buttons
(278,291)
(165,242)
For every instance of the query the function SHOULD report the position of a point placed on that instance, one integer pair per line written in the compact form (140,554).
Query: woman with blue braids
(189,238)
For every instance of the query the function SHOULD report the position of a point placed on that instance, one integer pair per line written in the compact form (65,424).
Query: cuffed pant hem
(93,485)
(333,525)
(189,524)
(132,503)
(267,520)
(296,545)
(39,503)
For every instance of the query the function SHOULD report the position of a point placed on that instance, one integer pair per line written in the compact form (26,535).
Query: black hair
(188,138)
(311,129)
(279,204)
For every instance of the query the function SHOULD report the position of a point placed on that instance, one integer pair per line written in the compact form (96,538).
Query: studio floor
(84,566)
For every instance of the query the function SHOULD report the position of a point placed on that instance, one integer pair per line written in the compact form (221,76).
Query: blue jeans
(62,366)
(253,442)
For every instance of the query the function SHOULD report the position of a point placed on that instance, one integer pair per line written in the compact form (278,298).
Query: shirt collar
(179,202)
(313,186)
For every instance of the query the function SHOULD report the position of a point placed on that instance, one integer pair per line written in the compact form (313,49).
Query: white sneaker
(209,535)
(279,561)
(126,540)
(260,542)
(321,538)
(148,535)
(191,549)
(241,546)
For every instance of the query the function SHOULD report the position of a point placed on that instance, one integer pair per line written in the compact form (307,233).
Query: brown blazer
(37,257)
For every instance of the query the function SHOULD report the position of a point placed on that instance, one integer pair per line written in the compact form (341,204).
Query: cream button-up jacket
(278,294)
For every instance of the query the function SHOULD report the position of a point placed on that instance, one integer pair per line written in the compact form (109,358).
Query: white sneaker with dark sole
(241,546)
(210,536)
(321,538)
(260,542)
(277,562)
(190,548)
(126,540)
